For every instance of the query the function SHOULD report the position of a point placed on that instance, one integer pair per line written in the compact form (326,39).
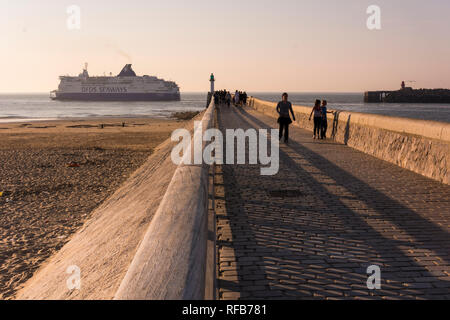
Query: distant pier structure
(380,96)
(408,95)
(375,96)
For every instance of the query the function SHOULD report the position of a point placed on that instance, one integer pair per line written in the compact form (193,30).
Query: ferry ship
(126,86)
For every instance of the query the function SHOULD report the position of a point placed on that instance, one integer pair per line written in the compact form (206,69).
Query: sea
(38,106)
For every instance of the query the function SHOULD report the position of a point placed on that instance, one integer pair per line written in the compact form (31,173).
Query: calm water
(14,107)
(355,102)
(18,107)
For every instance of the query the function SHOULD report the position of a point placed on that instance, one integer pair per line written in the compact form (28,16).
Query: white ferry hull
(78,96)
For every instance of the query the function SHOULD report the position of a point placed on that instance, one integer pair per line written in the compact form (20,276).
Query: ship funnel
(127,71)
(85,73)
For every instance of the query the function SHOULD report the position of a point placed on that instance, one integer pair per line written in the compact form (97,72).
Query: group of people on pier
(284,109)
(222,97)
(240,98)
(225,97)
(320,119)
(320,111)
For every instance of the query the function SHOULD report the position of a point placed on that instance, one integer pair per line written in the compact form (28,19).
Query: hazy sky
(255,45)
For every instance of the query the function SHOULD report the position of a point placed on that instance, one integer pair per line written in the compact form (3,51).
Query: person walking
(317,118)
(283,109)
(236,98)
(228,98)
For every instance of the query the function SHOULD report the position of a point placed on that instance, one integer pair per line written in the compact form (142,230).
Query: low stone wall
(171,261)
(417,145)
(161,211)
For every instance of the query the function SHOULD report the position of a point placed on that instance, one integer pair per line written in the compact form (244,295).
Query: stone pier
(312,230)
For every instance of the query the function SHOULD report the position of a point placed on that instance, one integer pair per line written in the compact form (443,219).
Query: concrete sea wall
(417,145)
(149,240)
(171,261)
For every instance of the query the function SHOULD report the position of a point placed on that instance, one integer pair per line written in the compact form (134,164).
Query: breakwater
(408,95)
(417,145)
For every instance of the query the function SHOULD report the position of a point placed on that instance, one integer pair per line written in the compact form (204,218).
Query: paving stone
(350,211)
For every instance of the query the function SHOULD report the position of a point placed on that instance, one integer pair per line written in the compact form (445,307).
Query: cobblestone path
(342,211)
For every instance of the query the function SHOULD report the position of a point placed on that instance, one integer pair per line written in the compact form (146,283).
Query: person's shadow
(335,127)
(335,124)
(347,130)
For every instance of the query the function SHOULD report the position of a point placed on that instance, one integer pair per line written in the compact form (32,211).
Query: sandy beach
(54,174)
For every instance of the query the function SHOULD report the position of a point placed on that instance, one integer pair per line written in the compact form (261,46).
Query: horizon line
(205,92)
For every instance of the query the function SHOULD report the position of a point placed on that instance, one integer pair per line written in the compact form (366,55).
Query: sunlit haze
(254,45)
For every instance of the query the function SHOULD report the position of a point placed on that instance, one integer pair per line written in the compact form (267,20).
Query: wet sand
(54,174)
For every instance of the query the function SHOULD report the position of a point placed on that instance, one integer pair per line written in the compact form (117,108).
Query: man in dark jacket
(283,109)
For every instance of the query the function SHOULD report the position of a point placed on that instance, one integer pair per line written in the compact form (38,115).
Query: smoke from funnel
(124,54)
(120,52)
